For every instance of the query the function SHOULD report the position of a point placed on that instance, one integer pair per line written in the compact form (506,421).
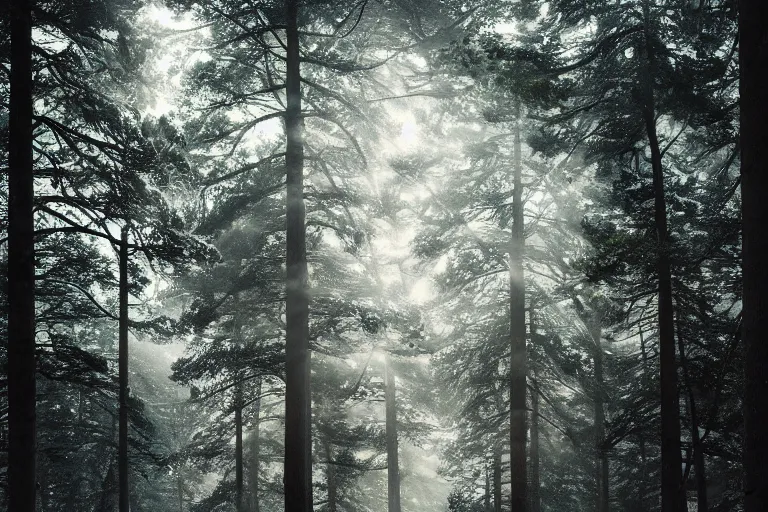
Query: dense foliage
(511,235)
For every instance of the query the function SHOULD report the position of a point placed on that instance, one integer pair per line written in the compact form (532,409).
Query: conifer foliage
(368,255)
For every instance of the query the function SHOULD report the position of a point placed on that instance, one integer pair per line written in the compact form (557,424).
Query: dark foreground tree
(21,267)
(122,451)
(753,60)
(298,436)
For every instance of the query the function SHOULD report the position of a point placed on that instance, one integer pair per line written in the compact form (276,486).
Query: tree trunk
(239,450)
(699,465)
(487,496)
(107,497)
(753,60)
(21,267)
(672,490)
(393,464)
(602,473)
(255,454)
(517,383)
(330,477)
(297,475)
(535,491)
(122,357)
(642,488)
(180,492)
(497,498)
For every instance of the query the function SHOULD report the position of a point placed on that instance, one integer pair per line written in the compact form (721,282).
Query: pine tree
(21,266)
(752,60)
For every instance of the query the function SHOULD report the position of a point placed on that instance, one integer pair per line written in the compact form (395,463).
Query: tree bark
(753,60)
(497,498)
(535,490)
(21,267)
(297,474)
(393,464)
(330,477)
(180,492)
(487,495)
(642,488)
(602,473)
(699,464)
(672,490)
(106,501)
(255,455)
(517,383)
(122,357)
(239,450)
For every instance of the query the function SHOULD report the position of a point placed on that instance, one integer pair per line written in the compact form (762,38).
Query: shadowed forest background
(383,255)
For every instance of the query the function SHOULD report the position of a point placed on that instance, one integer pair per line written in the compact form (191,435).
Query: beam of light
(409,131)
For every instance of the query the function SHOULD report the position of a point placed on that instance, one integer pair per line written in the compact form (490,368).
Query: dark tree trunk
(239,451)
(21,267)
(699,465)
(255,455)
(642,488)
(602,473)
(122,357)
(535,490)
(393,464)
(753,60)
(180,492)
(497,498)
(487,496)
(108,492)
(298,443)
(330,477)
(672,490)
(517,384)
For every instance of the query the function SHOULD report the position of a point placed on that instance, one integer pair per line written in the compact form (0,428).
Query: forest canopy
(383,255)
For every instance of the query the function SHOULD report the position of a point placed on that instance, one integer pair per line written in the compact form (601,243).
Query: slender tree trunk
(180,491)
(642,488)
(330,477)
(21,267)
(535,484)
(672,490)
(239,450)
(497,498)
(599,401)
(255,454)
(517,383)
(80,407)
(699,464)
(297,474)
(107,497)
(393,464)
(122,356)
(487,496)
(535,490)
(753,60)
